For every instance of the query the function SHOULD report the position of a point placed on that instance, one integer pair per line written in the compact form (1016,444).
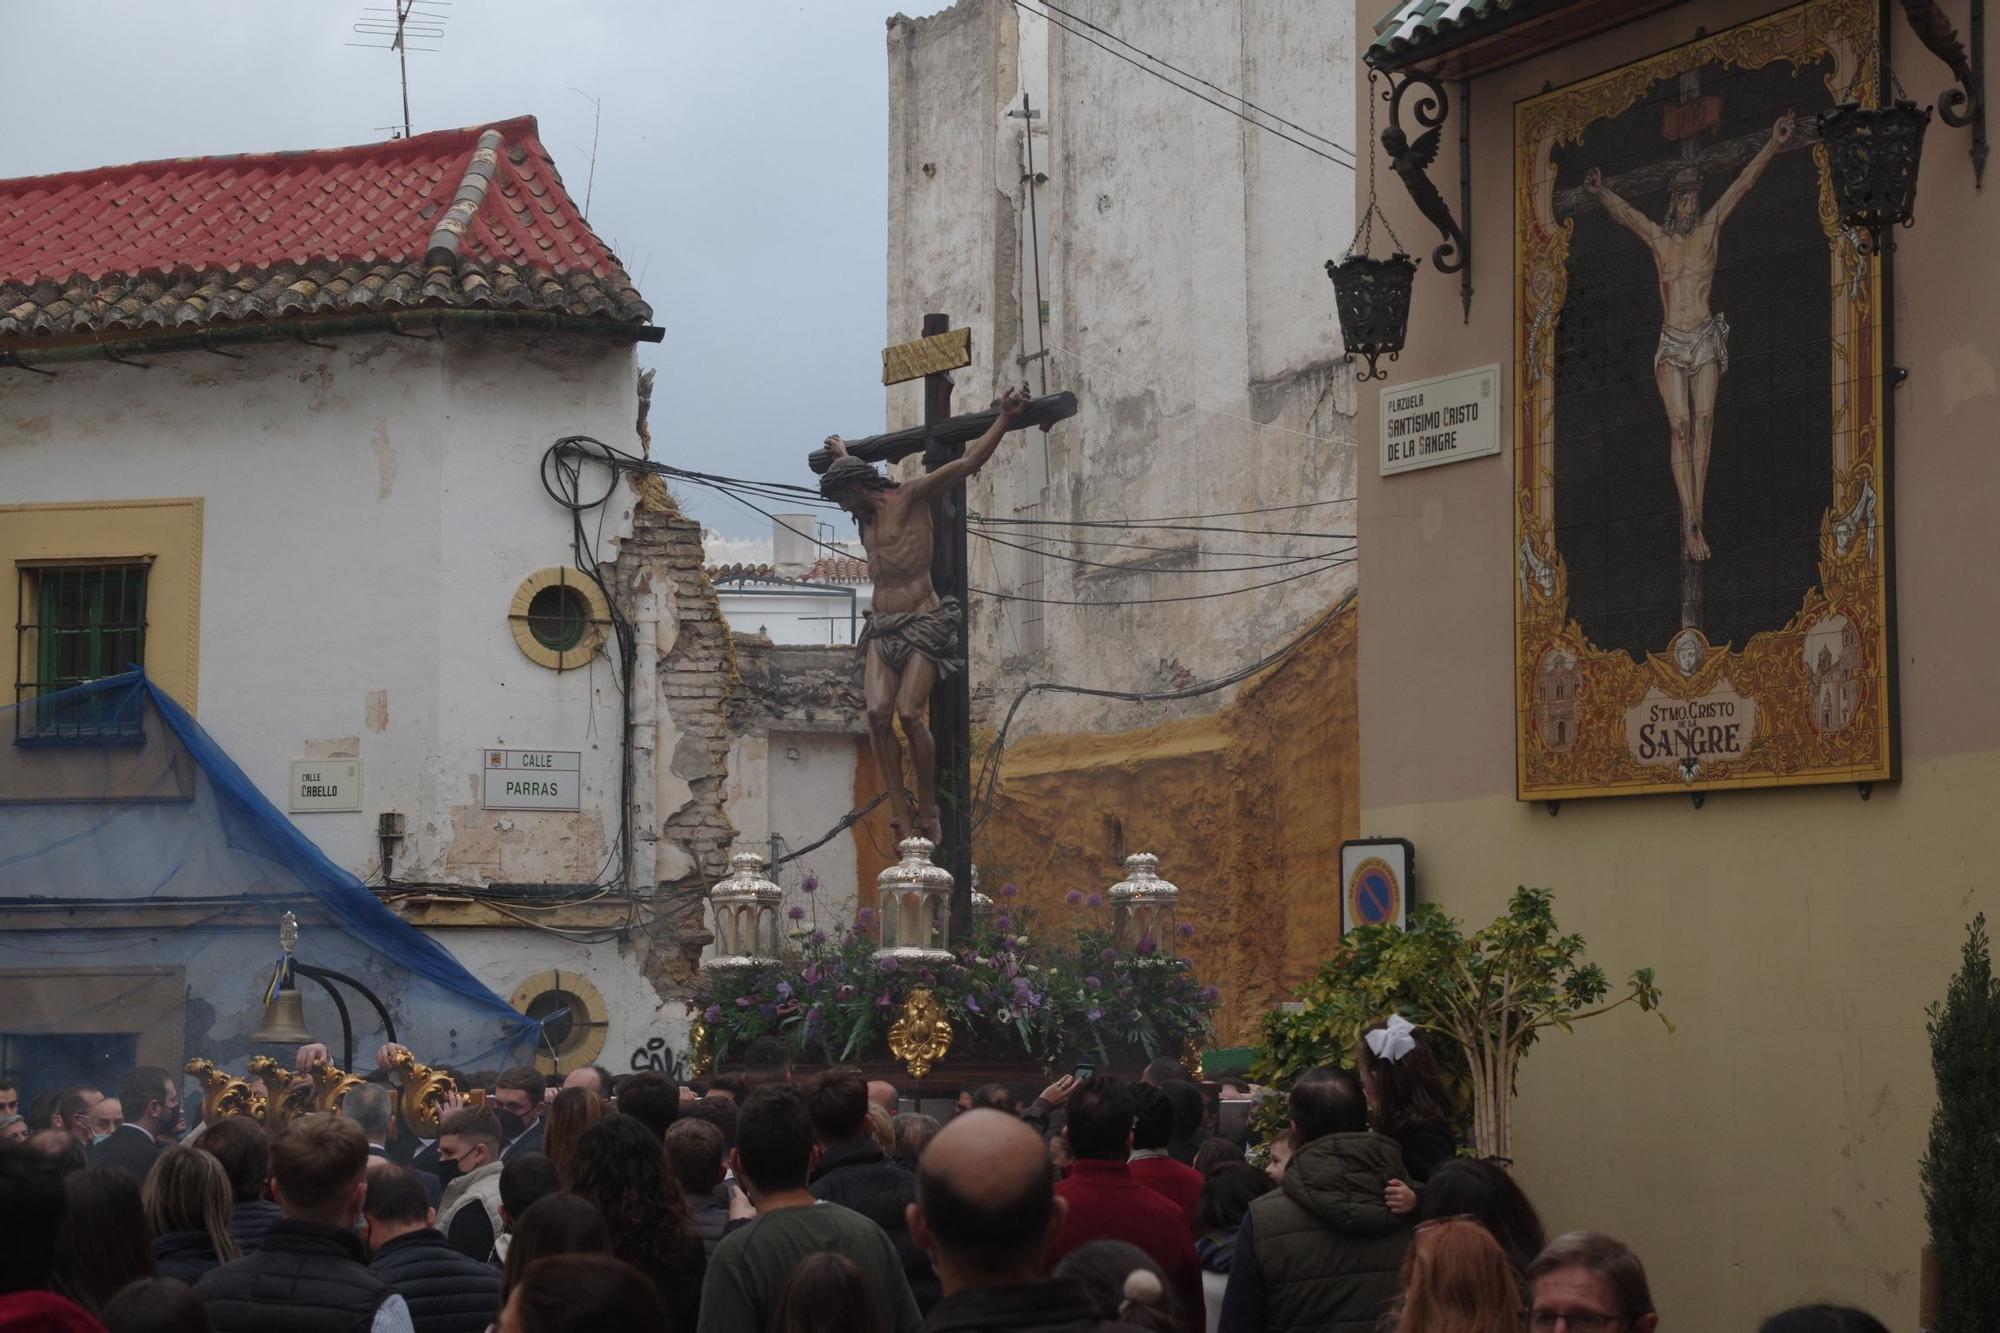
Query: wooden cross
(940,439)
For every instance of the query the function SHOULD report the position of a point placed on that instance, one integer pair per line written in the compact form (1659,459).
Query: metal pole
(324,975)
(1035,231)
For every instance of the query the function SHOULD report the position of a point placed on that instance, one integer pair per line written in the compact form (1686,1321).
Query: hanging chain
(1364,234)
(1868,73)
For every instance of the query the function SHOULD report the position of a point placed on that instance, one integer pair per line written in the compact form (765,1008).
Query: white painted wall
(506,958)
(791,615)
(799,784)
(368,512)
(1182,261)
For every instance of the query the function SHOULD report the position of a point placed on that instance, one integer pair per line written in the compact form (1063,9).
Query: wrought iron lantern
(1373,298)
(1372,295)
(1872,156)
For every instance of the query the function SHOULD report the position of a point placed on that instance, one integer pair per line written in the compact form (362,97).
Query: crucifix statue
(914,532)
(912,635)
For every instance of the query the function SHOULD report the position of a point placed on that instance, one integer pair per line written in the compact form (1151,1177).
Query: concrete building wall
(798,763)
(367,512)
(806,617)
(1766,1152)
(1181,263)
(1181,259)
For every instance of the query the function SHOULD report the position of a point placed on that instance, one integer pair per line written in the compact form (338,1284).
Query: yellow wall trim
(169,529)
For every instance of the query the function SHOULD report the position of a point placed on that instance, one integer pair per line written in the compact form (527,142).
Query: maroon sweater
(1107,1203)
(1180,1185)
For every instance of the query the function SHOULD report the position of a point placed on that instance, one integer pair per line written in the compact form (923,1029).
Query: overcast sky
(741,166)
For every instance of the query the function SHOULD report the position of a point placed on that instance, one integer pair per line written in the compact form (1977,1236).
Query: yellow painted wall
(1246,808)
(1766,1152)
(167,530)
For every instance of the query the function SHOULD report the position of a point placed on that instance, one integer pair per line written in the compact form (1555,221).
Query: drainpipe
(645,811)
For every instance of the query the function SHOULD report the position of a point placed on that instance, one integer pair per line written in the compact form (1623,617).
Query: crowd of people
(763,1203)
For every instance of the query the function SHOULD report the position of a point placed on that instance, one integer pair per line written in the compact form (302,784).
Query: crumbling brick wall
(695,678)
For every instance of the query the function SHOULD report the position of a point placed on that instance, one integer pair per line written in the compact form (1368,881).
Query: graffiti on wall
(1701,544)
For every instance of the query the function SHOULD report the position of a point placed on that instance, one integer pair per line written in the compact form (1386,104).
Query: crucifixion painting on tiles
(1701,592)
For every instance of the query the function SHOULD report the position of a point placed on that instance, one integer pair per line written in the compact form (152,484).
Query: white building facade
(361,588)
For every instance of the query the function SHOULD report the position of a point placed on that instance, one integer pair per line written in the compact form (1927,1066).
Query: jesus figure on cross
(912,635)
(1693,353)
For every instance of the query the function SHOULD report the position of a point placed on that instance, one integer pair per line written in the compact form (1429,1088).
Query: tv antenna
(406,26)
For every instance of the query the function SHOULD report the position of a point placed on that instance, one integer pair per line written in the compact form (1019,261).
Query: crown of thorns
(851,471)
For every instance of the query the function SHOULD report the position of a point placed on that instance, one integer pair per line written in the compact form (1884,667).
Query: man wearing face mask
(469,1165)
(308,1275)
(519,1095)
(100,1122)
(151,1100)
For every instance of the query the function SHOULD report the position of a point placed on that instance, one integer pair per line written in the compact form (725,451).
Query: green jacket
(1329,1250)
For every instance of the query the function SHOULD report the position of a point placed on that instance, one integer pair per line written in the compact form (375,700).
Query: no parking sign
(1376,876)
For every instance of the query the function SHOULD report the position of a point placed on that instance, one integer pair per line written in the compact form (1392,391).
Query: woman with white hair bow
(1406,1099)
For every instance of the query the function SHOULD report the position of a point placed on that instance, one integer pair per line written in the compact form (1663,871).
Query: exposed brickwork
(788,687)
(695,679)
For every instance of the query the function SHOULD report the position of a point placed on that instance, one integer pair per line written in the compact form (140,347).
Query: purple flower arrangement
(1047,995)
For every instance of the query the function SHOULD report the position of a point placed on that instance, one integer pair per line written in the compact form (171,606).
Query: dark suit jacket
(531,1138)
(433,1190)
(130,1149)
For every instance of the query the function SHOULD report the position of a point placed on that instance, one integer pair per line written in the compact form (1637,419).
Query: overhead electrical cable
(988,780)
(1279,563)
(1186,74)
(1148,69)
(1156,601)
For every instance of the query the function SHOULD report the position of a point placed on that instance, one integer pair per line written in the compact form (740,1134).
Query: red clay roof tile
(341,230)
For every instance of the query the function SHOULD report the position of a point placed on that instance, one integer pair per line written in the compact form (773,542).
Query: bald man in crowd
(986,1212)
(883,1095)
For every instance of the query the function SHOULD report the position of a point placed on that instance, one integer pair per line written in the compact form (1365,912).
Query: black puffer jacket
(187,1255)
(858,1175)
(249,1220)
(447,1292)
(305,1278)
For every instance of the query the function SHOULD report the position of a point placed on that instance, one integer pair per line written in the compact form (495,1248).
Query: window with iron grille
(78,621)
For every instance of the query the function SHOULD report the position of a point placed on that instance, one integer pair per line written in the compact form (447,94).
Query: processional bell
(284,1009)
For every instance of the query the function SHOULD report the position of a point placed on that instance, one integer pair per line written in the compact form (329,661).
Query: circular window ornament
(573,1017)
(559,618)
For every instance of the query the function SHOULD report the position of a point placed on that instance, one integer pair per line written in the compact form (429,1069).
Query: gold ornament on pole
(423,1093)
(330,1086)
(223,1094)
(922,1036)
(701,1053)
(290,1095)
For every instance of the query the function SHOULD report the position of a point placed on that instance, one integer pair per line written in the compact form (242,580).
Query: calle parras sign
(533,780)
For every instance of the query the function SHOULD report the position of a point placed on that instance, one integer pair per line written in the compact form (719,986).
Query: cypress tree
(1961,1170)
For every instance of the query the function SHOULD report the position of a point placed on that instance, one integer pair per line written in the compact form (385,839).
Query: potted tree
(1961,1167)
(1483,998)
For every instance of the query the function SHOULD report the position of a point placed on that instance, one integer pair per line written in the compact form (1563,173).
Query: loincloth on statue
(1691,349)
(932,634)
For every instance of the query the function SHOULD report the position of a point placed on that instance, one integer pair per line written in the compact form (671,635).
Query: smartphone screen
(1084,1071)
